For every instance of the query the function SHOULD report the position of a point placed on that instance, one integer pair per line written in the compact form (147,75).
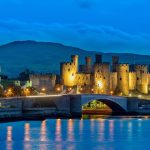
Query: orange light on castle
(70,89)
(111,92)
(100,85)
(58,89)
(27,91)
(9,90)
(43,89)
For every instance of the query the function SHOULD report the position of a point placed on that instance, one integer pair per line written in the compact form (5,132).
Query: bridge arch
(117,104)
(113,105)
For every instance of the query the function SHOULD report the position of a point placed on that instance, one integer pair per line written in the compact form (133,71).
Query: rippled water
(97,134)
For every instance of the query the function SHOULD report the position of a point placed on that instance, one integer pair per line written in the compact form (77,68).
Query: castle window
(84,84)
(126,70)
(120,79)
(137,78)
(104,78)
(68,70)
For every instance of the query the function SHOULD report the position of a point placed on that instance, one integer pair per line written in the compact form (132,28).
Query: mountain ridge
(46,56)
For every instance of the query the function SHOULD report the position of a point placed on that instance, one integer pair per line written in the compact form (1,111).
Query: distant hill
(46,56)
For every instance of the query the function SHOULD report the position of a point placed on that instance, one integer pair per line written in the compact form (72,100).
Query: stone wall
(123,78)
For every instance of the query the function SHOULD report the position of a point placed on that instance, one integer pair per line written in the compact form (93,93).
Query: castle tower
(123,78)
(88,64)
(115,62)
(74,59)
(98,58)
(142,78)
(68,74)
(102,78)
(69,71)
(132,81)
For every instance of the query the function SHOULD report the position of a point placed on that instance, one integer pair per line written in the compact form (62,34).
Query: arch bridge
(116,103)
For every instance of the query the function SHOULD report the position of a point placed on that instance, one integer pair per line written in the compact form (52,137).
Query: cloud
(100,38)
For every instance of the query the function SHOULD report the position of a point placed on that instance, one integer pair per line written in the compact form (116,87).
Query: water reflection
(27,132)
(27,137)
(77,134)
(58,130)
(81,126)
(9,138)
(70,130)
(43,132)
(92,125)
(101,130)
(111,130)
(43,135)
(9,133)
(129,130)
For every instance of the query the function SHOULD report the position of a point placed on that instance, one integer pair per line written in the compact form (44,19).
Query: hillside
(46,56)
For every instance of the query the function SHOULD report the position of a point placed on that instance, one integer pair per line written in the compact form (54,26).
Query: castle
(105,78)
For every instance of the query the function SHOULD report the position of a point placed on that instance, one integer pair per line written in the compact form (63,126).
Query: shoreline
(93,116)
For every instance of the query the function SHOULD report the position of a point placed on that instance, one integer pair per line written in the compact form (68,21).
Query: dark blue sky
(102,25)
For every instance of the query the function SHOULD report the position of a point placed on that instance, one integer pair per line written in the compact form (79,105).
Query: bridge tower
(142,78)
(123,78)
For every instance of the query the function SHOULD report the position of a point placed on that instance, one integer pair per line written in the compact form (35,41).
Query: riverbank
(17,114)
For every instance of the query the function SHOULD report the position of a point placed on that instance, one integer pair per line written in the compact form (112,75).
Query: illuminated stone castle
(105,78)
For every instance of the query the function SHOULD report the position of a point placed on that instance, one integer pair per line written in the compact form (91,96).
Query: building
(44,83)
(105,78)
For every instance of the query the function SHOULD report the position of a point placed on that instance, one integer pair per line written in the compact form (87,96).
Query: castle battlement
(141,65)
(123,65)
(52,76)
(132,72)
(121,78)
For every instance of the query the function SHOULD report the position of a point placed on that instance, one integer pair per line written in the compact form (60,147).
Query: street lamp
(43,89)
(27,91)
(9,90)
(58,89)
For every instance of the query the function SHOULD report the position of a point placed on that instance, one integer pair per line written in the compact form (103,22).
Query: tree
(1,91)
(24,76)
(4,77)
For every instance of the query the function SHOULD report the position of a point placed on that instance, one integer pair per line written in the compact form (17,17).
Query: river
(86,134)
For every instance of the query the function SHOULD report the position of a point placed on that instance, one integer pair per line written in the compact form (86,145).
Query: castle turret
(115,62)
(74,59)
(88,64)
(123,78)
(98,58)
(102,78)
(142,78)
(132,80)
(69,71)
